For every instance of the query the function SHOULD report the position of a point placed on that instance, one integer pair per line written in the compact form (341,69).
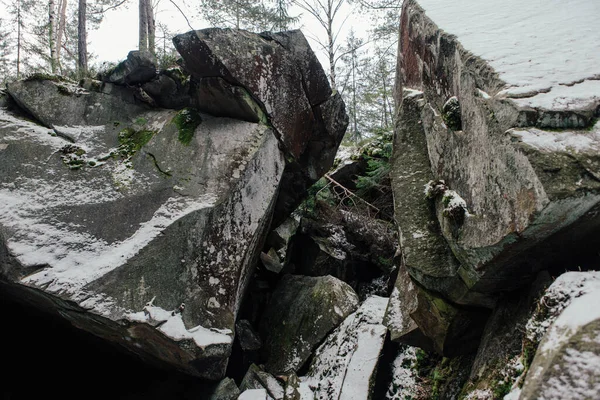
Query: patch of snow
(409,93)
(404,382)
(534,46)
(254,394)
(580,380)
(566,288)
(76,258)
(564,141)
(171,324)
(483,94)
(514,394)
(480,394)
(418,235)
(579,313)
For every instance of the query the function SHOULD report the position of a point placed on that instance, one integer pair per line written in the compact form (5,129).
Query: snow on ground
(344,364)
(537,45)
(254,394)
(560,141)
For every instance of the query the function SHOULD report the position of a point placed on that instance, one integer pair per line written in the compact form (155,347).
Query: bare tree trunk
(354,106)
(62,24)
(325,12)
(82,66)
(52,35)
(151,28)
(19,39)
(143,43)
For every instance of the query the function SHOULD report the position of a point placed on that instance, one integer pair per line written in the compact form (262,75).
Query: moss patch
(132,140)
(187,120)
(41,76)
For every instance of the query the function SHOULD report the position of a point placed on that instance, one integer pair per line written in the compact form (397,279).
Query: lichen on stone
(72,156)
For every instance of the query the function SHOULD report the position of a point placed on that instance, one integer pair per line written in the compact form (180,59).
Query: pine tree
(5,53)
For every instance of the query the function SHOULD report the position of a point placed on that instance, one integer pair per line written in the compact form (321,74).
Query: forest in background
(51,37)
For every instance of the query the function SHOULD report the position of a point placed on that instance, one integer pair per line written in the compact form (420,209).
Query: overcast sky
(118,33)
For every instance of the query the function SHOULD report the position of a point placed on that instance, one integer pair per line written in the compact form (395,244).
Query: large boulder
(567,359)
(140,232)
(56,101)
(345,365)
(273,77)
(143,225)
(302,311)
(486,195)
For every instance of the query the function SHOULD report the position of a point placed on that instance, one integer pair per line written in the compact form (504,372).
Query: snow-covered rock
(344,366)
(567,361)
(120,232)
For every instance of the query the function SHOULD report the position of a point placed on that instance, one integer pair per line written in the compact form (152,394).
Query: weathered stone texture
(302,311)
(509,191)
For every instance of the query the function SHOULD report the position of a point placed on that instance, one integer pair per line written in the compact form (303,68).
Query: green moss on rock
(187,120)
(133,140)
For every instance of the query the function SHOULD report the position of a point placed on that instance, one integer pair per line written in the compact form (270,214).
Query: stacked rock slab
(272,77)
(140,225)
(507,135)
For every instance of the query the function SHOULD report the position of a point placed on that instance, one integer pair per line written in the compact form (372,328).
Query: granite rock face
(143,225)
(486,195)
(302,311)
(279,79)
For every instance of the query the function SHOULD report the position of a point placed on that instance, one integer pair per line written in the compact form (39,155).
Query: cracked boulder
(495,167)
(275,78)
(302,311)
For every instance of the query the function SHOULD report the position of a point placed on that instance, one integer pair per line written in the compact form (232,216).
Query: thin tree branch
(186,19)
